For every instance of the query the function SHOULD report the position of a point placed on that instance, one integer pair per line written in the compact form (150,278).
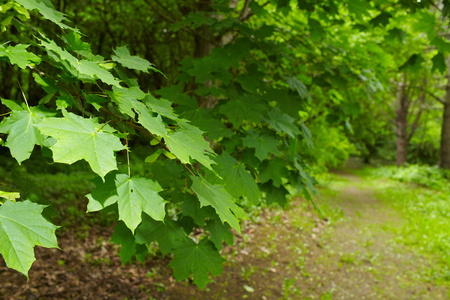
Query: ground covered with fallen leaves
(348,253)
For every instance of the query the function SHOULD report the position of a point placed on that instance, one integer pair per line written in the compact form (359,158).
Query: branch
(160,13)
(419,113)
(435,97)
(246,12)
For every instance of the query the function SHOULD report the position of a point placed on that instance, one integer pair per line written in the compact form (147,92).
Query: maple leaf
(122,235)
(274,170)
(85,70)
(22,227)
(48,12)
(18,55)
(282,122)
(275,194)
(191,207)
(216,196)
(133,196)
(168,234)
(248,107)
(129,61)
(126,99)
(208,121)
(79,138)
(199,259)
(188,142)
(153,124)
(297,85)
(238,181)
(95,71)
(219,232)
(307,134)
(22,132)
(160,106)
(263,144)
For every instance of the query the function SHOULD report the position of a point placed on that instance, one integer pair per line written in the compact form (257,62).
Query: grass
(422,195)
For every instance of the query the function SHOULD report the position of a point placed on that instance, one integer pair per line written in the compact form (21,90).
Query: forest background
(193,113)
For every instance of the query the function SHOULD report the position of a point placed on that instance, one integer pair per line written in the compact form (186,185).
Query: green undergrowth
(421,193)
(427,176)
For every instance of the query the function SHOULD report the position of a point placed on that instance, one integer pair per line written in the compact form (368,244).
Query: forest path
(361,254)
(353,253)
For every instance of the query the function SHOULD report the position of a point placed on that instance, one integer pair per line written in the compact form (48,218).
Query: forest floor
(352,253)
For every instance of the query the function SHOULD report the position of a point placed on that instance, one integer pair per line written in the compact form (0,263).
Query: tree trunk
(444,158)
(401,121)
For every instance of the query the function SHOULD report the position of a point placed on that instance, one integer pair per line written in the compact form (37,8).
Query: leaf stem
(128,157)
(103,126)
(23,94)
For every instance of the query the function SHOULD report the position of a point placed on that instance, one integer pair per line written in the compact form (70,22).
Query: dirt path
(364,260)
(292,254)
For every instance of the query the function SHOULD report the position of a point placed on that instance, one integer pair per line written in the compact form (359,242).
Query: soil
(291,254)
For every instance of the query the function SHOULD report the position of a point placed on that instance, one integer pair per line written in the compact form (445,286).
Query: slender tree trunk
(402,123)
(444,158)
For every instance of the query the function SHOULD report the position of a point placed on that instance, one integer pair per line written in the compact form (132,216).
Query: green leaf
(95,100)
(439,63)
(274,170)
(153,124)
(79,138)
(263,144)
(191,207)
(76,44)
(238,181)
(297,85)
(275,194)
(382,19)
(216,196)
(22,227)
(168,234)
(124,237)
(46,11)
(188,142)
(306,179)
(133,196)
(22,132)
(126,99)
(13,105)
(442,45)
(162,107)
(206,120)
(18,55)
(94,70)
(219,232)
(359,8)
(413,63)
(10,195)
(127,60)
(307,135)
(198,259)
(282,123)
(48,84)
(85,70)
(426,22)
(247,107)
